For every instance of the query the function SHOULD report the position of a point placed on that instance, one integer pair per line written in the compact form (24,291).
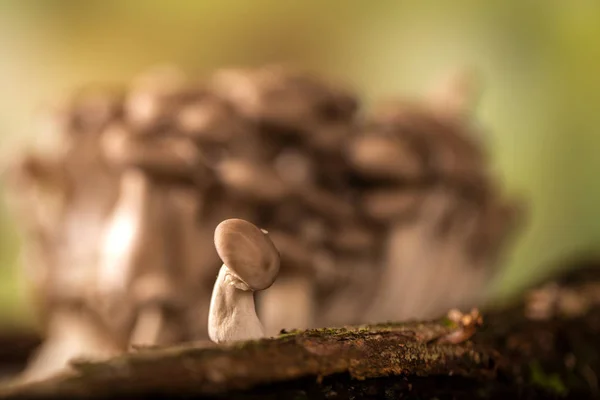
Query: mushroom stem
(148,327)
(125,231)
(232,314)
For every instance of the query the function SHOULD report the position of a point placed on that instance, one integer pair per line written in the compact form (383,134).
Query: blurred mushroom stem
(410,249)
(352,296)
(125,230)
(133,244)
(148,327)
(72,334)
(288,304)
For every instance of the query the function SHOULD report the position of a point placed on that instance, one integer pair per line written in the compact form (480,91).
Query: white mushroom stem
(232,314)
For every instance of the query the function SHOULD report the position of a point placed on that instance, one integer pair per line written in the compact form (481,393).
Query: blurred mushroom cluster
(386,212)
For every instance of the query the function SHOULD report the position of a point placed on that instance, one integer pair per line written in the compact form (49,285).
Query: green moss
(448,322)
(332,331)
(286,334)
(248,344)
(550,382)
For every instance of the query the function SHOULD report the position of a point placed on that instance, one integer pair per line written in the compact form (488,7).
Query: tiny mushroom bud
(250,263)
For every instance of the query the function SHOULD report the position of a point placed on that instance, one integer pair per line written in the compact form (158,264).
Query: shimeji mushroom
(250,263)
(135,279)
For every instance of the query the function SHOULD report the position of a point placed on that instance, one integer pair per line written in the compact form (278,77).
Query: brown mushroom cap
(248,252)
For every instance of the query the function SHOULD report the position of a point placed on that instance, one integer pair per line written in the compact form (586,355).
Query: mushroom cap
(248,252)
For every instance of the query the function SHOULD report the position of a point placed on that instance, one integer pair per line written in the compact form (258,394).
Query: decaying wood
(511,355)
(517,354)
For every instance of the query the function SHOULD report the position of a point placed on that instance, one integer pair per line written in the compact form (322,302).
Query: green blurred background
(540,62)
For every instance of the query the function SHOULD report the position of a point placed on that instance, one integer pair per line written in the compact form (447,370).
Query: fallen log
(513,354)
(506,358)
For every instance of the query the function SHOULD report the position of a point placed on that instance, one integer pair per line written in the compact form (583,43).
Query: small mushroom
(250,263)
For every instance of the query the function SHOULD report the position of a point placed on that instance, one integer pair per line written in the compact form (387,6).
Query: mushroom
(250,263)
(196,257)
(343,196)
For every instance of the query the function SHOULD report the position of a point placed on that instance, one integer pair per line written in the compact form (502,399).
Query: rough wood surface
(511,355)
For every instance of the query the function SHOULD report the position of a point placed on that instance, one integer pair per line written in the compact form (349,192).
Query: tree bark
(511,355)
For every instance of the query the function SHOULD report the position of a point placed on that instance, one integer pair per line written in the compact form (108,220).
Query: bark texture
(513,354)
